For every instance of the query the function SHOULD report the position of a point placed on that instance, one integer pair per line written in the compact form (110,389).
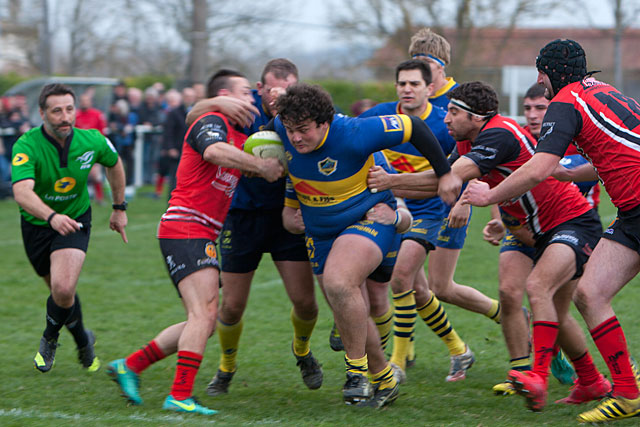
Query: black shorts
(625,229)
(246,235)
(185,256)
(581,234)
(39,241)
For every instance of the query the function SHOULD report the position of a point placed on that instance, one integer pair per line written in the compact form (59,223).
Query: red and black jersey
(203,193)
(501,147)
(605,126)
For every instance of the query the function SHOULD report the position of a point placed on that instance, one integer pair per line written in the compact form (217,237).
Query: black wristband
(51,217)
(120,206)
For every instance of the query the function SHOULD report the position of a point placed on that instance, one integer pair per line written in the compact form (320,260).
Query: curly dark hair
(304,102)
(480,96)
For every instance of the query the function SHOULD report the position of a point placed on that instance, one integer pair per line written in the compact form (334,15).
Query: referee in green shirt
(49,172)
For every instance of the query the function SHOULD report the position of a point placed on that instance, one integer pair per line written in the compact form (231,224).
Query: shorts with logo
(384,236)
(246,235)
(625,229)
(510,243)
(186,256)
(383,273)
(433,232)
(581,234)
(40,241)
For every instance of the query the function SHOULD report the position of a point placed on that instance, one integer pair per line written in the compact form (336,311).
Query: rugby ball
(266,144)
(573,161)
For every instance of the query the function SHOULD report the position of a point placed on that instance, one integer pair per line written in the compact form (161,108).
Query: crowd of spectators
(161,111)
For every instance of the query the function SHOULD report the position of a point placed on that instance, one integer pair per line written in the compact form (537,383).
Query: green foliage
(146,80)
(11,79)
(345,93)
(127,299)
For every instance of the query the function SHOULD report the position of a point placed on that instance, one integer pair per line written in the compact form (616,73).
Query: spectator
(151,114)
(174,131)
(121,127)
(88,117)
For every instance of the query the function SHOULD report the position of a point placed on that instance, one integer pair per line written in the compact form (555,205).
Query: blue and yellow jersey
(406,158)
(258,193)
(330,183)
(439,99)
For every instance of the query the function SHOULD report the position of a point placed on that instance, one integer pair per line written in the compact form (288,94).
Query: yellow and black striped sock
(302,330)
(495,312)
(384,324)
(437,320)
(357,366)
(405,319)
(229,336)
(521,363)
(384,378)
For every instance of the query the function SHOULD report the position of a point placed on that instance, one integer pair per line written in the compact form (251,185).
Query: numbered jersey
(605,127)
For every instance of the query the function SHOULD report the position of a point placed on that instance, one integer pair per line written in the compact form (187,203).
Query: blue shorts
(384,236)
(511,243)
(246,235)
(427,230)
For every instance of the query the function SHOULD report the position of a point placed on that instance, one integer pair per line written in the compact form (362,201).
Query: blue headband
(437,60)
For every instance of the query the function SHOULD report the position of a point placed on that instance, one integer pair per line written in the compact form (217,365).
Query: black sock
(56,319)
(75,326)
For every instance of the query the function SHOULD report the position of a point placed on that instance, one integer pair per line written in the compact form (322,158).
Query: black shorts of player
(40,241)
(381,274)
(581,234)
(183,257)
(246,235)
(625,229)
(428,246)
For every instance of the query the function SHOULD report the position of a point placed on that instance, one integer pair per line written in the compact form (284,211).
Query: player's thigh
(66,265)
(410,260)
(610,267)
(351,259)
(442,266)
(199,291)
(553,269)
(297,278)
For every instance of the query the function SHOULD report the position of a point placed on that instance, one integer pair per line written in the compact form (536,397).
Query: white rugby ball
(266,144)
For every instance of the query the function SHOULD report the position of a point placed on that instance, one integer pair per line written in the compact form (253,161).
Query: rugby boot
(190,405)
(220,383)
(531,386)
(585,393)
(46,355)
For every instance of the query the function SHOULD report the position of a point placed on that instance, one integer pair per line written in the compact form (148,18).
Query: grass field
(127,298)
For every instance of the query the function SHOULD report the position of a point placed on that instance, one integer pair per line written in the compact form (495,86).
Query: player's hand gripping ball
(266,144)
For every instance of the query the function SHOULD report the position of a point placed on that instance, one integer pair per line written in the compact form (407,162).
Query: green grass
(127,299)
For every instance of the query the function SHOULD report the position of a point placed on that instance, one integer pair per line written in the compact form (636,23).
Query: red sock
(610,340)
(544,338)
(159,185)
(140,360)
(586,369)
(556,350)
(186,370)
(98,193)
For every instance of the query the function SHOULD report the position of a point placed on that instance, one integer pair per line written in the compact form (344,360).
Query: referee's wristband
(50,217)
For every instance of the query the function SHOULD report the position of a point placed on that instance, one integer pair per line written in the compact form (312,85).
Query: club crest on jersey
(327,166)
(64,185)
(20,159)
(210,250)
(86,159)
(392,123)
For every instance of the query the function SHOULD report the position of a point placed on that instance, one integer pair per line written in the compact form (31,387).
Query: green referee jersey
(60,174)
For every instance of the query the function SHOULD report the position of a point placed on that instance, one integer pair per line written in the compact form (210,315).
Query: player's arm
(118,220)
(209,138)
(239,112)
(494,230)
(292,220)
(580,173)
(28,200)
(532,173)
